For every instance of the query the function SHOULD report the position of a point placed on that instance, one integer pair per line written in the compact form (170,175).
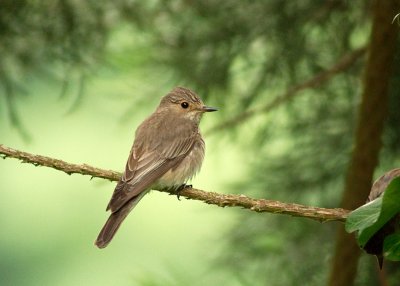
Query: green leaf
(369,218)
(364,216)
(391,247)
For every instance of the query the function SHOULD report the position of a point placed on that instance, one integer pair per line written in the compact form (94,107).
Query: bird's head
(185,104)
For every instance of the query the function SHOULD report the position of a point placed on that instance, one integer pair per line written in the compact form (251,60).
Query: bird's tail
(114,222)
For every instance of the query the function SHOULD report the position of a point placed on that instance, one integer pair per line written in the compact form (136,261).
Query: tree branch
(222,200)
(342,64)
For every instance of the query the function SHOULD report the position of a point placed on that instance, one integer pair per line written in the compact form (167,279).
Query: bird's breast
(187,169)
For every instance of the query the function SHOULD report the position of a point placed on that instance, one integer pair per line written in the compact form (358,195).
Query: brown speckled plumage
(167,151)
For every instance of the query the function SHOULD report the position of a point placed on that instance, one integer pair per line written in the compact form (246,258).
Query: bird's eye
(185,105)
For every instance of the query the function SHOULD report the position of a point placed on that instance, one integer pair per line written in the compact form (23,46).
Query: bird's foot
(180,189)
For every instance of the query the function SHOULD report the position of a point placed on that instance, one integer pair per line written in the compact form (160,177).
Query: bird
(167,151)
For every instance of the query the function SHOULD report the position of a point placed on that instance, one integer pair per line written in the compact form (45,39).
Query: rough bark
(221,200)
(367,142)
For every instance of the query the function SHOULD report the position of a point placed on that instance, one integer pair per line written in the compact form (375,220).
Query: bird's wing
(146,165)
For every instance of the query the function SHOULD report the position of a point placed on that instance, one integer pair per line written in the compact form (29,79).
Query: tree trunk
(367,142)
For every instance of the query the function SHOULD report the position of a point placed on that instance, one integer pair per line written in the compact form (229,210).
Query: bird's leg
(180,189)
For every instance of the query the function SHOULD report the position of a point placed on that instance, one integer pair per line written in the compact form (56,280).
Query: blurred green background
(78,77)
(51,219)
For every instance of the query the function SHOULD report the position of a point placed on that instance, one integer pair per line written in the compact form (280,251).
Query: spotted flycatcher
(168,150)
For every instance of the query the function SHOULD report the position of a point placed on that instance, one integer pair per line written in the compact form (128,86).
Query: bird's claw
(180,189)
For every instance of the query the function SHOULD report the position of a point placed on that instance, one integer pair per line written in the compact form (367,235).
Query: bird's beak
(208,109)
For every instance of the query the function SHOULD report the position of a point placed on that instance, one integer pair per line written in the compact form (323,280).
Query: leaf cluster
(377,224)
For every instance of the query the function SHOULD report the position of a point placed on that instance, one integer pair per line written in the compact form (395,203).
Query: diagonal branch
(342,64)
(222,200)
